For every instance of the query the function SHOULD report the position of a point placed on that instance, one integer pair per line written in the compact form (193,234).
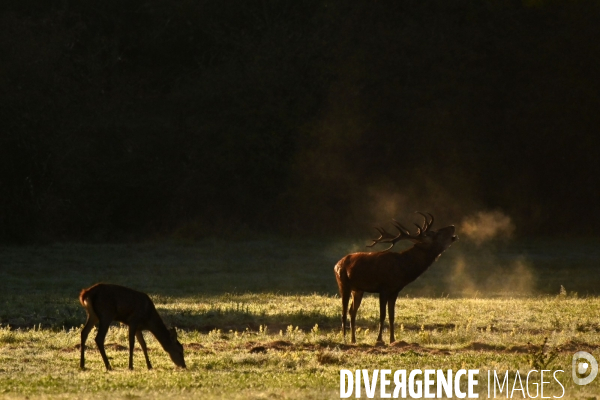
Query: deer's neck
(160,332)
(421,257)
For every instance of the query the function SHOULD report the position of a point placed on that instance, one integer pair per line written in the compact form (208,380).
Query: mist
(484,275)
(486,262)
(484,226)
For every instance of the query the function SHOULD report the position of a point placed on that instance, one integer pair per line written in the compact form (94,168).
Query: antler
(426,224)
(386,237)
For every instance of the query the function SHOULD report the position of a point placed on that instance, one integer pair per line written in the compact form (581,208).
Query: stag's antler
(426,224)
(386,237)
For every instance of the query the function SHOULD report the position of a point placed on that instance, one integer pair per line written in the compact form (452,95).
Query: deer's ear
(173,333)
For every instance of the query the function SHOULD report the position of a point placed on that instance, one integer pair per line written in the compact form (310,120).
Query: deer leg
(140,337)
(356,299)
(382,304)
(132,332)
(345,300)
(89,324)
(100,336)
(391,303)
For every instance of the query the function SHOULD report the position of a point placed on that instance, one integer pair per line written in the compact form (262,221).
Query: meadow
(261,318)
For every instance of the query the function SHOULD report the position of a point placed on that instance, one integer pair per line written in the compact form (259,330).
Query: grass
(260,319)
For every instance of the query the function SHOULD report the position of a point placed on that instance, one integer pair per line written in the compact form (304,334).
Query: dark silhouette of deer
(106,303)
(386,272)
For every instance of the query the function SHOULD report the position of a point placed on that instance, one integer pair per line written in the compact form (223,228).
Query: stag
(387,272)
(106,303)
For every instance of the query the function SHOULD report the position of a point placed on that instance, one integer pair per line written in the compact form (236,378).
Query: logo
(581,368)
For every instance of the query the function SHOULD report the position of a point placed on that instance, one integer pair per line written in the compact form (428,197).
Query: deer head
(176,349)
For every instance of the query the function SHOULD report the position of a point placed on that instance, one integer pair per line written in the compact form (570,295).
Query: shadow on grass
(241,320)
(56,313)
(40,284)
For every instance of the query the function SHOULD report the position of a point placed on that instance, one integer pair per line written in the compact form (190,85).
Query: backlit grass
(262,320)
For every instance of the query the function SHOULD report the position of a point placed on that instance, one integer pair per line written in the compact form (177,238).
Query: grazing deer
(106,303)
(386,272)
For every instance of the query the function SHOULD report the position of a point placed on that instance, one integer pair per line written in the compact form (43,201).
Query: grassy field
(260,319)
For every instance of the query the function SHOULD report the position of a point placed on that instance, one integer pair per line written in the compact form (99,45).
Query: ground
(261,319)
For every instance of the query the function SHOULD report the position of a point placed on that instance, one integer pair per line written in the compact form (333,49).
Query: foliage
(541,358)
(188,118)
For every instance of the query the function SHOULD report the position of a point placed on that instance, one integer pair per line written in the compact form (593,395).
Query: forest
(140,120)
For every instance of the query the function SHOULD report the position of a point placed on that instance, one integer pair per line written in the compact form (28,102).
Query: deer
(387,273)
(105,303)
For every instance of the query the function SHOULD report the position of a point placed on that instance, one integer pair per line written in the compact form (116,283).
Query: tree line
(190,118)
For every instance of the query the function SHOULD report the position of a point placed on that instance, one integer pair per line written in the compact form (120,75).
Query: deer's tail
(82,297)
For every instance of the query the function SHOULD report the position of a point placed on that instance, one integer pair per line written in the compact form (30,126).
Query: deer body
(105,303)
(382,271)
(388,273)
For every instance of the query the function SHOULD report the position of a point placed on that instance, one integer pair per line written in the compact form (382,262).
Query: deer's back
(118,302)
(375,272)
